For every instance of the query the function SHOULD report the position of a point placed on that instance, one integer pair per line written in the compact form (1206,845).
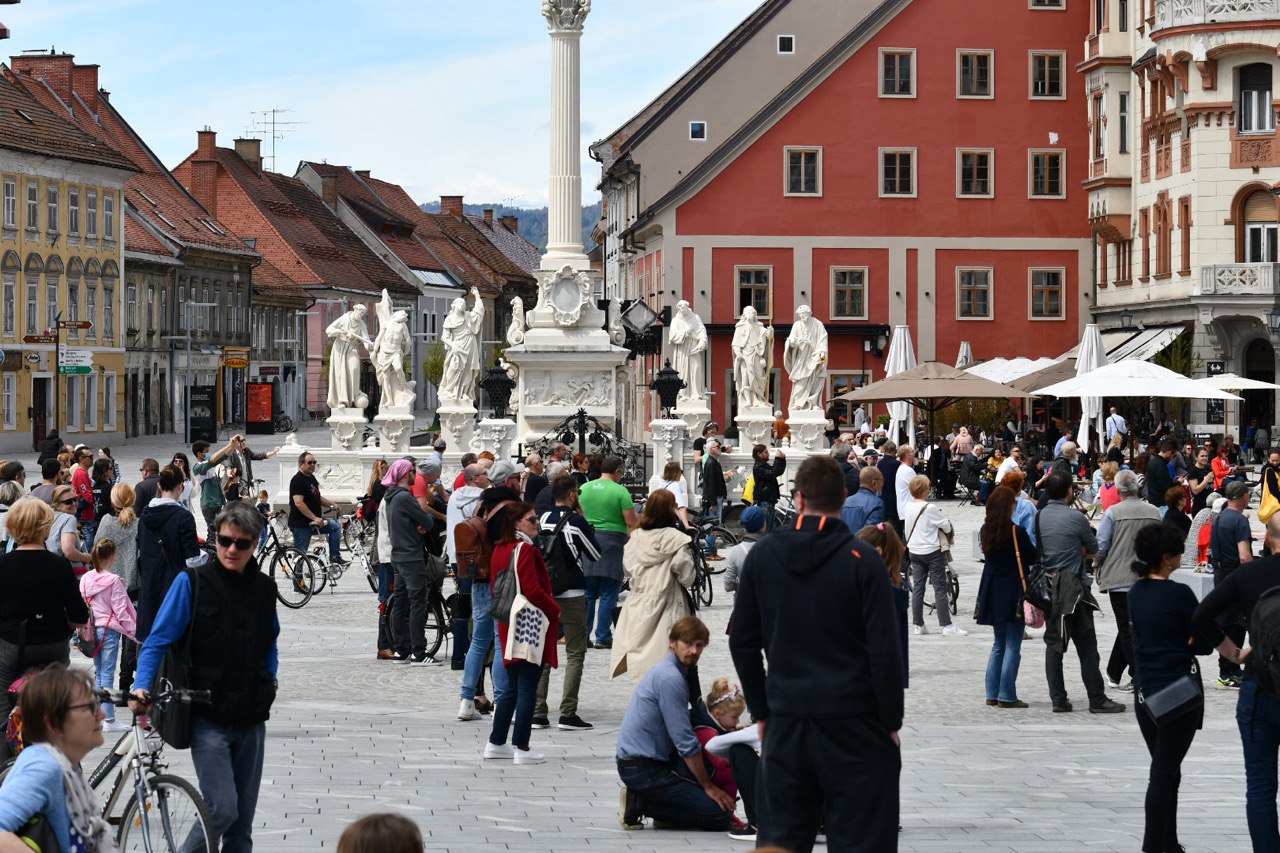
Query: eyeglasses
(93,707)
(529,519)
(67,501)
(230,542)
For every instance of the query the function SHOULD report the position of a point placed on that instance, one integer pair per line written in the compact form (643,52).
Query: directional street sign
(75,324)
(75,358)
(40,339)
(76,369)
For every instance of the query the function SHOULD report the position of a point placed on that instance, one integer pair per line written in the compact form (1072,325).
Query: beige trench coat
(657,564)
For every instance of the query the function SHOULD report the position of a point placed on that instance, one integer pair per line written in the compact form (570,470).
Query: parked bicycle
(953,592)
(439,618)
(280,422)
(712,535)
(288,567)
(328,573)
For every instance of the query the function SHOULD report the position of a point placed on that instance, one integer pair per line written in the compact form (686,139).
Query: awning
(1140,344)
(1005,370)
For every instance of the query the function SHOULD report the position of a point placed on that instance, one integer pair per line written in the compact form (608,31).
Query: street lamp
(668,384)
(1126,319)
(1273,320)
(497,386)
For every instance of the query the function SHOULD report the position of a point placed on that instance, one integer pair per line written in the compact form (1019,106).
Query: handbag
(437,570)
(526,627)
(1174,700)
(1039,590)
(1031,615)
(1269,504)
(504,590)
(172,720)
(38,834)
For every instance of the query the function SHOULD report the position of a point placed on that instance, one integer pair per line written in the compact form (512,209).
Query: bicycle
(356,526)
(291,570)
(164,812)
(280,422)
(712,535)
(953,591)
(702,590)
(438,623)
(327,571)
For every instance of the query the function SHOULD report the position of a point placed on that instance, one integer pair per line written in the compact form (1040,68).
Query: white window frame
(10,303)
(915,172)
(991,295)
(1062,293)
(1062,173)
(9,400)
(108,216)
(737,287)
(884,51)
(782,52)
(961,53)
(866,292)
(108,312)
(91,215)
(91,309)
(10,220)
(109,402)
(52,203)
(786,170)
(703,137)
(1062,75)
(1122,111)
(991,172)
(91,402)
(1256,111)
(74,401)
(73,211)
(31,284)
(33,205)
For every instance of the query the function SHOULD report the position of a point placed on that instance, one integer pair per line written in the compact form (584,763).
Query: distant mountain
(533,220)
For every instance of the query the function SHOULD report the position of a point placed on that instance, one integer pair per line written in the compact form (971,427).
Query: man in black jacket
(888,466)
(406,521)
(766,474)
(840,452)
(1159,478)
(714,488)
(167,544)
(817,602)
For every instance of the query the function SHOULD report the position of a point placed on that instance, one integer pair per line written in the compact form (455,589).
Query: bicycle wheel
(435,626)
(371,575)
(175,817)
(294,577)
(704,589)
(953,587)
(319,559)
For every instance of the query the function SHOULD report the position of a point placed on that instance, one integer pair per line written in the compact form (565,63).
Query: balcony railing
(1238,280)
(1181,13)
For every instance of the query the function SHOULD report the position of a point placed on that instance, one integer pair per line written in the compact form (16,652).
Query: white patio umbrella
(902,356)
(1232,382)
(1135,379)
(1091,355)
(965,358)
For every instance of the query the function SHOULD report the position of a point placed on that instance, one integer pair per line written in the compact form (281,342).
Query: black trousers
(839,773)
(745,764)
(1168,743)
(1122,649)
(1229,621)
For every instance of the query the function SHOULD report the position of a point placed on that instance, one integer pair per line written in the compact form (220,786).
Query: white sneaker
(954,631)
(528,756)
(919,629)
(467,710)
(115,726)
(495,750)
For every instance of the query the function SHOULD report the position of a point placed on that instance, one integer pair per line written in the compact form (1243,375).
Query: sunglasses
(68,501)
(239,544)
(309,462)
(529,519)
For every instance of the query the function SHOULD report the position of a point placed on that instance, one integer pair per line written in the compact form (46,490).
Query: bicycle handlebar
(119,697)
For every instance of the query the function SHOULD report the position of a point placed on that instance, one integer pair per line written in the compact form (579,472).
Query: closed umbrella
(965,358)
(902,357)
(1091,355)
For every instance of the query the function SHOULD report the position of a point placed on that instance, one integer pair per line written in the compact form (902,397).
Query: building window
(849,294)
(1260,243)
(109,216)
(51,204)
(151,309)
(843,383)
(1046,294)
(10,307)
(91,309)
(1048,4)
(897,73)
(974,172)
(73,211)
(73,402)
(753,289)
(50,301)
(91,214)
(786,44)
(73,302)
(804,171)
(1257,115)
(1099,130)
(1144,228)
(162,316)
(1123,9)
(109,312)
(1099,15)
(33,300)
(33,206)
(698,131)
(10,203)
(1124,122)
(897,172)
(131,306)
(1184,230)
(109,402)
(1046,174)
(974,302)
(1046,75)
(91,401)
(9,398)
(974,75)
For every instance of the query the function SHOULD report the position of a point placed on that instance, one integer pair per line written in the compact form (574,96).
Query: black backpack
(1264,632)
(560,561)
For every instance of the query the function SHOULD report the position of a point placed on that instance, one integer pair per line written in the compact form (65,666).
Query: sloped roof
(463,233)
(29,126)
(518,250)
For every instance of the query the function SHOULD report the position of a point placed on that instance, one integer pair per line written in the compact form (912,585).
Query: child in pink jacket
(113,615)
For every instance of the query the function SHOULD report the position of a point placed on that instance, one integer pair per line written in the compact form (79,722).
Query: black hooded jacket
(167,544)
(819,605)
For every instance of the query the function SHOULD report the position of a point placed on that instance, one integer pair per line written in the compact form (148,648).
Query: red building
(909,162)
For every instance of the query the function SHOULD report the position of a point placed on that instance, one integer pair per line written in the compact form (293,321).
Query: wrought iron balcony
(1182,13)
(1237,280)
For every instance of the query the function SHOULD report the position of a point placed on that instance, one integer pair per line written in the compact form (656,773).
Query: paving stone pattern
(350,735)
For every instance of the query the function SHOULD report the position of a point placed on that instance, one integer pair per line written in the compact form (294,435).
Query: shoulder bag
(1039,580)
(526,624)
(172,720)
(504,589)
(1033,616)
(1174,700)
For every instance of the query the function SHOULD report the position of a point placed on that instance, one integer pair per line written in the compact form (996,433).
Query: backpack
(1264,631)
(471,545)
(556,553)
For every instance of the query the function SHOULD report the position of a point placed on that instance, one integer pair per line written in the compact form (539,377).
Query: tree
(1180,357)
(433,364)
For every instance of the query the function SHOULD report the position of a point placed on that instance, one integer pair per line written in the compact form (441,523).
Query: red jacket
(535,585)
(83,487)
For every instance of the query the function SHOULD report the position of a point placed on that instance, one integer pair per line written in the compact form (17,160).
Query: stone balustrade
(1237,280)
(1182,13)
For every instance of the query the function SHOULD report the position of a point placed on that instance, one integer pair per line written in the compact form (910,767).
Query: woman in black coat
(766,474)
(1009,553)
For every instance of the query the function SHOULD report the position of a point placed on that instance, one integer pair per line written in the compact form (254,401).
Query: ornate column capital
(565,15)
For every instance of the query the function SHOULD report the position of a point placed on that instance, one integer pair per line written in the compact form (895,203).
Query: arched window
(52,284)
(1260,228)
(1254,109)
(10,266)
(31,271)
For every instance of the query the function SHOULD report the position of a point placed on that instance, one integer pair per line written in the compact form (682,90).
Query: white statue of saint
(347,333)
(390,348)
(515,331)
(805,358)
(752,355)
(688,343)
(461,339)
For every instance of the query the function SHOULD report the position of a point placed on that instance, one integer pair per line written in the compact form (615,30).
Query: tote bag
(1269,504)
(526,625)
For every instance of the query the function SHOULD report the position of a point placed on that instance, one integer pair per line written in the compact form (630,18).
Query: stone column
(495,435)
(670,442)
(564,218)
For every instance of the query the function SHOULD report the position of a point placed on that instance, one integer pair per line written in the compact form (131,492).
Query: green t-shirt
(603,503)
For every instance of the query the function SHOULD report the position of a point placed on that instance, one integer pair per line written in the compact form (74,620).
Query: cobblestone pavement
(350,735)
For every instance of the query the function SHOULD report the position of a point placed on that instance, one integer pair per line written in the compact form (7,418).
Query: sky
(442,97)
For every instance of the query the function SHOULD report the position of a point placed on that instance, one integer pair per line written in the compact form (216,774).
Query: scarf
(83,808)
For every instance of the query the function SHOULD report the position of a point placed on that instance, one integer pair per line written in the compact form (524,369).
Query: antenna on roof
(266,124)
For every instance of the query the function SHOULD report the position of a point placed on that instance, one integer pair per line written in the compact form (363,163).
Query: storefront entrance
(1260,364)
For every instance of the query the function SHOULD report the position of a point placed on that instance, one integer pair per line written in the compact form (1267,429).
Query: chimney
(451,204)
(204,171)
(362,174)
(84,80)
(511,222)
(55,69)
(488,216)
(206,141)
(250,150)
(329,191)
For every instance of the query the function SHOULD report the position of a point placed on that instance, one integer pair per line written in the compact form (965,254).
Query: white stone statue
(688,342)
(515,331)
(752,353)
(805,358)
(461,339)
(390,348)
(347,332)
(617,334)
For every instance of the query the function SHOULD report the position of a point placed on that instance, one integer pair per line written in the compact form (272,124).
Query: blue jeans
(385,579)
(1258,716)
(484,636)
(769,520)
(1002,665)
(602,594)
(668,792)
(228,762)
(518,702)
(461,619)
(302,537)
(104,665)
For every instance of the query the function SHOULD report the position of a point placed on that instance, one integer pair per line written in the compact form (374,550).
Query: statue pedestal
(754,427)
(496,436)
(395,423)
(343,474)
(346,427)
(695,413)
(807,429)
(457,423)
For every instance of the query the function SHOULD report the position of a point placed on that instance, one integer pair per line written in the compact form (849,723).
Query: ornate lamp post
(1273,321)
(1126,319)
(497,386)
(668,384)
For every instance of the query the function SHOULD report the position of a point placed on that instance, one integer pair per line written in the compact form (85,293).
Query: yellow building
(61,250)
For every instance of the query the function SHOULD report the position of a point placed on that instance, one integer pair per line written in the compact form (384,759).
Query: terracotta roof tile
(518,250)
(28,125)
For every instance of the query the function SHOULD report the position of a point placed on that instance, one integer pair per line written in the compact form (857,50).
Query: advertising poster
(261,406)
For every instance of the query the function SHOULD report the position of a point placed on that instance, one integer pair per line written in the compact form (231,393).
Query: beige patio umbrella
(1232,382)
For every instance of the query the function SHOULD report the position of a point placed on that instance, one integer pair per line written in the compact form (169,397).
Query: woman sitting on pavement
(732,753)
(659,567)
(63,723)
(1008,552)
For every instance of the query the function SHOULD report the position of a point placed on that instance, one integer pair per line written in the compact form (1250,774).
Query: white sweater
(922,535)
